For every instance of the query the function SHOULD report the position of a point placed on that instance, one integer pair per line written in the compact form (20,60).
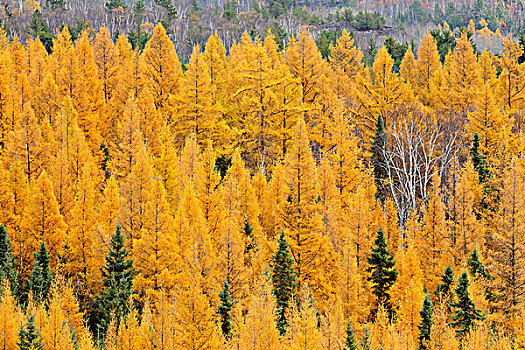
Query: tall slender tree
(465,313)
(425,324)
(284,283)
(378,159)
(383,274)
(224,311)
(41,278)
(117,279)
(7,261)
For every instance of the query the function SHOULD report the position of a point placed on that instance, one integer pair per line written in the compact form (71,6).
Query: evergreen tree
(29,336)
(41,278)
(378,159)
(382,271)
(477,271)
(465,313)
(38,27)
(7,261)
(224,310)
(251,245)
(284,283)
(476,267)
(426,323)
(479,160)
(444,290)
(55,5)
(104,164)
(114,4)
(117,279)
(365,342)
(350,341)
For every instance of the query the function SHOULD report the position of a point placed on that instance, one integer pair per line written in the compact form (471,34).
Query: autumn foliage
(357,186)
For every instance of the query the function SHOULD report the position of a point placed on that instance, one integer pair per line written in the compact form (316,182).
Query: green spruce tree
(284,282)
(479,273)
(41,278)
(249,238)
(117,279)
(479,161)
(465,314)
(7,261)
(444,290)
(378,159)
(29,337)
(224,310)
(366,342)
(476,267)
(425,324)
(104,162)
(350,341)
(382,272)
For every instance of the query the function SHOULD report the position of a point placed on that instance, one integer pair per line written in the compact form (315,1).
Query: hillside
(320,196)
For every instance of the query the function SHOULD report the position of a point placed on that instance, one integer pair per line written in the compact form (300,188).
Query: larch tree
(10,320)
(507,240)
(25,143)
(462,78)
(346,59)
(196,112)
(317,97)
(161,71)
(427,67)
(487,120)
(195,317)
(465,231)
(258,330)
(511,89)
(156,253)
(90,104)
(45,222)
(106,59)
(312,252)
(136,193)
(83,262)
(433,238)
(20,199)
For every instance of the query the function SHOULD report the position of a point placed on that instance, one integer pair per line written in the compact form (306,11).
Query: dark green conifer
(7,261)
(382,271)
(41,278)
(250,245)
(350,341)
(38,28)
(117,279)
(29,337)
(224,311)
(365,342)
(465,314)
(104,163)
(114,4)
(476,267)
(444,290)
(378,159)
(426,323)
(479,160)
(284,282)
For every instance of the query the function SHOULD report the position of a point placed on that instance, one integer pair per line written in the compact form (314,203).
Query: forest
(261,198)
